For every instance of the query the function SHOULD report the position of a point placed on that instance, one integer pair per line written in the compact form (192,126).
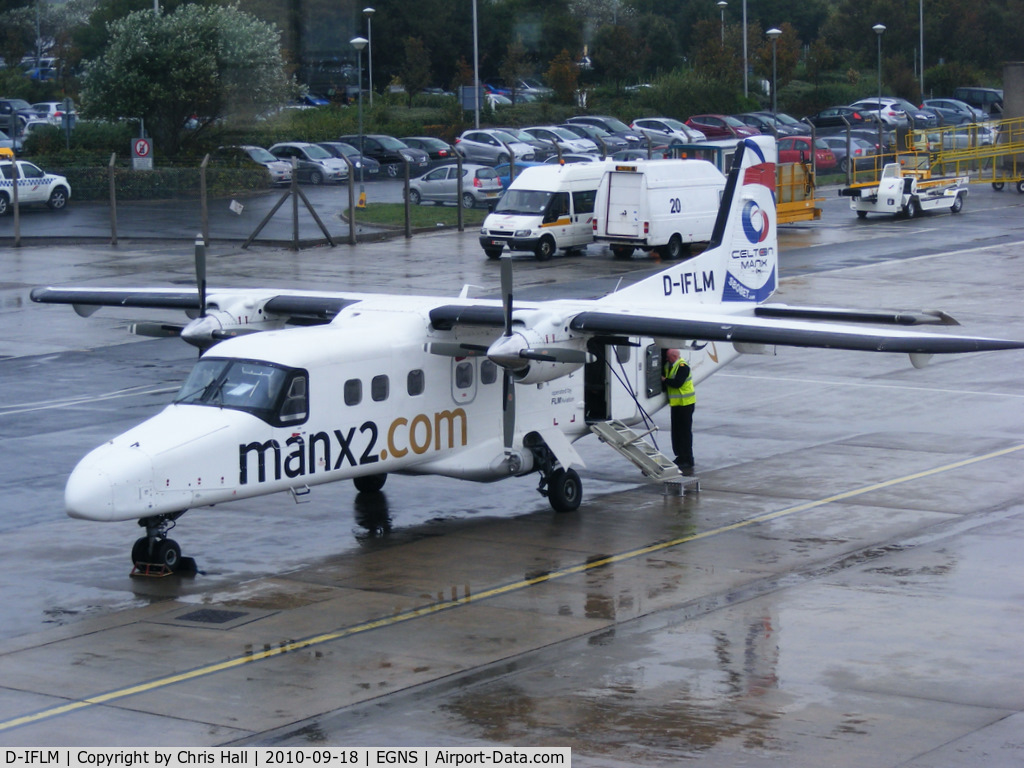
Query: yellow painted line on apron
(428,610)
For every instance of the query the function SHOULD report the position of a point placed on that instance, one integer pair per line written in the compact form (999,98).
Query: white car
(672,130)
(34,186)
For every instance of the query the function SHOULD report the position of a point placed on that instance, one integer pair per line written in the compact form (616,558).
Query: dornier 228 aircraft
(474,389)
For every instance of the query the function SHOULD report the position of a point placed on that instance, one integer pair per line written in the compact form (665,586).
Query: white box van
(547,208)
(661,205)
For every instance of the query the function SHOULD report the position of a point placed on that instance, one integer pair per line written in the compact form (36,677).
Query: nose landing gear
(156,555)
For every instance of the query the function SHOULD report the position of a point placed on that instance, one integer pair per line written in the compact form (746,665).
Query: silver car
(313,162)
(673,131)
(491,146)
(480,186)
(566,140)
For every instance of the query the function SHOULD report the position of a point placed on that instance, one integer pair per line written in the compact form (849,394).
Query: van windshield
(523,202)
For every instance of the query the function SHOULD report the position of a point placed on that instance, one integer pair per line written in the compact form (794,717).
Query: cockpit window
(275,394)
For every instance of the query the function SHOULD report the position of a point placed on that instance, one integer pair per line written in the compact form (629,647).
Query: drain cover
(211,616)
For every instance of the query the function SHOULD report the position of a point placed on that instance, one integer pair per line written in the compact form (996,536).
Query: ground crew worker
(678,382)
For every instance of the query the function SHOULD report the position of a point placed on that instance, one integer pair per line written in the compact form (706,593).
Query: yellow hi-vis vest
(684,395)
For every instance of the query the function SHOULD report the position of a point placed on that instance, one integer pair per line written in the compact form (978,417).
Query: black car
(610,142)
(14,115)
(614,126)
(366,168)
(769,125)
(833,117)
(438,149)
(390,152)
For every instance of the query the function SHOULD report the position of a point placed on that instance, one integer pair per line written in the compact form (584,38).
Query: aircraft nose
(110,484)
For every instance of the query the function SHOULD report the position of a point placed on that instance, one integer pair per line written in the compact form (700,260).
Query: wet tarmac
(844,590)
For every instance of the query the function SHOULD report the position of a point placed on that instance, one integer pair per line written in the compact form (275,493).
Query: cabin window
(271,392)
(414,382)
(464,375)
(379,388)
(488,372)
(353,392)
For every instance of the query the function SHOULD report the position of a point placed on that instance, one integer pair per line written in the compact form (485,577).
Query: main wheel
(674,249)
(1020,186)
(913,209)
(414,197)
(140,551)
(58,199)
(862,214)
(958,204)
(316,178)
(565,490)
(392,170)
(545,249)
(370,483)
(998,186)
(468,201)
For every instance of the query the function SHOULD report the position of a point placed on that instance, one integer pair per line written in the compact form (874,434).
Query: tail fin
(741,262)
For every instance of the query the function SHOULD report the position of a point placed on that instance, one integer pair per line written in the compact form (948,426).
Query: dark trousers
(682,434)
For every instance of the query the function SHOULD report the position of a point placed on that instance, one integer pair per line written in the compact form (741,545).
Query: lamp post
(879,29)
(920,14)
(476,70)
(359,43)
(368,13)
(774,33)
(721,6)
(745,91)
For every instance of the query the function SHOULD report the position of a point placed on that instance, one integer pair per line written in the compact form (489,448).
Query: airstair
(652,462)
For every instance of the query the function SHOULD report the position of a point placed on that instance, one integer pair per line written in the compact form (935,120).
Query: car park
(480,186)
(668,129)
(564,139)
(721,127)
(840,117)
(314,164)
(492,145)
(861,151)
(247,155)
(365,167)
(436,149)
(34,186)
(797,149)
(768,125)
(614,126)
(607,143)
(390,152)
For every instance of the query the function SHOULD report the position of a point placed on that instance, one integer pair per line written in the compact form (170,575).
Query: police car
(34,186)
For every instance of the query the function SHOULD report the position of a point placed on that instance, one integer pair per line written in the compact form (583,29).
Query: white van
(659,205)
(547,208)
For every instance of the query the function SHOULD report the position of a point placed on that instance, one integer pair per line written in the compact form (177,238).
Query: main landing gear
(156,555)
(562,487)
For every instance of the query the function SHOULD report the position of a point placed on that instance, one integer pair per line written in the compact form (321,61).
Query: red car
(721,127)
(796,149)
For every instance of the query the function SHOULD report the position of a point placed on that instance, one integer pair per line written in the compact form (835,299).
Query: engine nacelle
(533,357)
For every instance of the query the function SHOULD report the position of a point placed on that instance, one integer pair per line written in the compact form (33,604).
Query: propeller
(198,332)
(508,387)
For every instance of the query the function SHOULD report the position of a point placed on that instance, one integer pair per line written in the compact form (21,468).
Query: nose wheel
(156,555)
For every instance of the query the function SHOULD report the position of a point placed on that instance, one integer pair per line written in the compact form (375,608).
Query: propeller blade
(557,355)
(508,410)
(506,291)
(201,273)
(155,330)
(454,349)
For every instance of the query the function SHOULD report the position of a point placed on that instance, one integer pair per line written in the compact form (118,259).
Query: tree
(563,76)
(415,72)
(514,66)
(182,71)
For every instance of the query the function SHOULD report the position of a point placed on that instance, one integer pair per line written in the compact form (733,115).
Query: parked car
(491,145)
(365,167)
(541,149)
(53,112)
(861,151)
(973,114)
(390,153)
(563,138)
(614,126)
(606,143)
(503,171)
(480,186)
(314,164)
(767,124)
(249,156)
(574,157)
(653,153)
(437,149)
(947,117)
(834,117)
(7,146)
(894,111)
(669,130)
(34,186)
(797,149)
(721,127)
(14,113)
(988,100)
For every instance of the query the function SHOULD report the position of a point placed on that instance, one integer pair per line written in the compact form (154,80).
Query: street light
(368,13)
(721,5)
(920,13)
(879,29)
(774,33)
(359,43)
(745,91)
